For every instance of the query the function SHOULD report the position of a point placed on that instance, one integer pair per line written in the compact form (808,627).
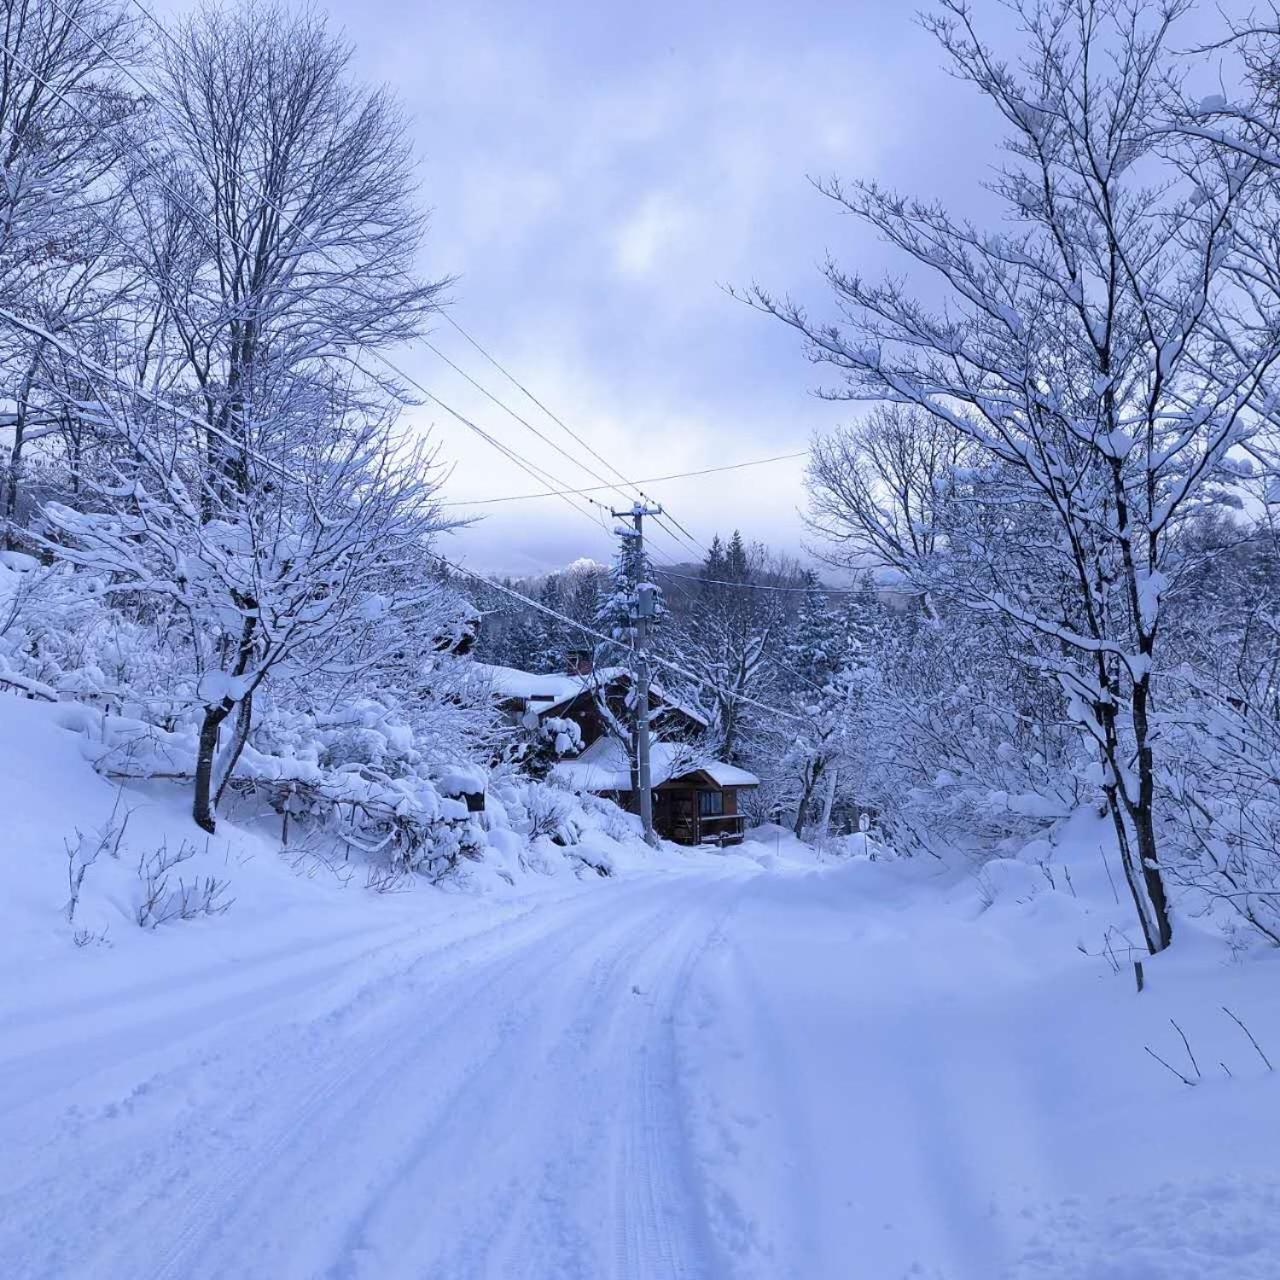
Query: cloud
(597,175)
(651,234)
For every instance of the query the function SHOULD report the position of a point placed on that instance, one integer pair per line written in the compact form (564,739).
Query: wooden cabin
(695,798)
(701,807)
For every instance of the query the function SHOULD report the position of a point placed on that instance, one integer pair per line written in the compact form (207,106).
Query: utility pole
(644,611)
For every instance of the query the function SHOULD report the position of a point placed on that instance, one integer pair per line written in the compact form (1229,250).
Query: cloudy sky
(599,171)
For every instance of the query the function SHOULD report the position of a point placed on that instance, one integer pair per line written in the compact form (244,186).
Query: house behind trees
(695,797)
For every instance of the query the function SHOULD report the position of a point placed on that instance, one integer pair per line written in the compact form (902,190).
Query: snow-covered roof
(729,775)
(545,693)
(603,766)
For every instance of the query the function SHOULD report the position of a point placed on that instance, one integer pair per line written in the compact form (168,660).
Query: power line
(544,438)
(764,586)
(528,467)
(523,421)
(679,475)
(168,36)
(689,538)
(702,546)
(506,373)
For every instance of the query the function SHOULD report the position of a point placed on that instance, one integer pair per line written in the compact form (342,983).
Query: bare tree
(1097,352)
(285,227)
(62,196)
(875,487)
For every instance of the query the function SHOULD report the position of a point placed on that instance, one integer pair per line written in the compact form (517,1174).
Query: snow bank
(51,796)
(128,841)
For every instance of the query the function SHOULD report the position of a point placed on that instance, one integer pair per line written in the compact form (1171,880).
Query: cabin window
(710,804)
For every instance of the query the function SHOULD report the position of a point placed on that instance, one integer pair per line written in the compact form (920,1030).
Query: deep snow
(772,1063)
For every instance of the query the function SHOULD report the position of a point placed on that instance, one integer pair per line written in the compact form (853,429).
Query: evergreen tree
(737,564)
(631,568)
(551,638)
(818,646)
(818,682)
(582,602)
(713,568)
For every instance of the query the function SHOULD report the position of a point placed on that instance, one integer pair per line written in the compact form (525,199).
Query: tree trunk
(202,808)
(230,755)
(209,792)
(828,801)
(1142,816)
(806,797)
(13,478)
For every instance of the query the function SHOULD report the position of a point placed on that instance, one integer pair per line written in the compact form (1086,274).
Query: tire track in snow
(525,1110)
(365,1093)
(121,1173)
(660,1177)
(342,1147)
(548,1139)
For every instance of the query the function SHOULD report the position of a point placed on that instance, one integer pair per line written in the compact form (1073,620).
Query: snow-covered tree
(1098,350)
(65,259)
(818,682)
(287,575)
(618,601)
(728,637)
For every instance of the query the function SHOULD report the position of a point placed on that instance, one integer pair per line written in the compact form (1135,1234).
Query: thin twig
(1115,893)
(1186,1045)
(1249,1033)
(1191,1084)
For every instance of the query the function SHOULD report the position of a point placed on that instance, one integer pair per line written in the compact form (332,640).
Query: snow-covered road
(505,1103)
(705,1073)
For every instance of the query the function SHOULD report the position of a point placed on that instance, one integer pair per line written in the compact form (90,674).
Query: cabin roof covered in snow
(546,692)
(510,682)
(603,766)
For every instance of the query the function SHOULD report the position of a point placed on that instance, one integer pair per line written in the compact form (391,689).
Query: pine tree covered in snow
(617,606)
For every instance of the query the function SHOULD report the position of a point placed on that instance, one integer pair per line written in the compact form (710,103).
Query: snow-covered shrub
(539,810)
(550,814)
(403,824)
(163,901)
(85,850)
(616,823)
(366,732)
(435,847)
(555,738)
